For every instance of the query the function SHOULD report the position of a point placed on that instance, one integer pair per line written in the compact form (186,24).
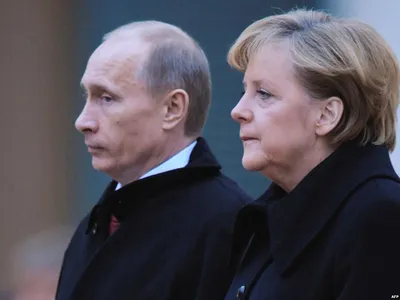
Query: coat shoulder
(219,191)
(366,242)
(376,199)
(370,216)
(230,190)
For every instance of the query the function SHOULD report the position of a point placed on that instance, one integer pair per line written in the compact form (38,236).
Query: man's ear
(176,107)
(330,115)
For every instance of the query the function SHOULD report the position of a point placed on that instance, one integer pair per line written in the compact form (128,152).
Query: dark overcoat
(173,243)
(335,236)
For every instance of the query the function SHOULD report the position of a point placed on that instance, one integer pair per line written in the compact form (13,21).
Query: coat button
(241,292)
(94,229)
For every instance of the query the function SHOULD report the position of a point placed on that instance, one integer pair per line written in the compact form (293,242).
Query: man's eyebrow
(93,86)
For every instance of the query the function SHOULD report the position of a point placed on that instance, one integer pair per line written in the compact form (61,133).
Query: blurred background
(47,183)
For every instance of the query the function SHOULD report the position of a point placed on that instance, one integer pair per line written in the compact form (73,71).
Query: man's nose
(86,121)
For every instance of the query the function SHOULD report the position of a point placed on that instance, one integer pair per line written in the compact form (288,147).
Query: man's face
(121,122)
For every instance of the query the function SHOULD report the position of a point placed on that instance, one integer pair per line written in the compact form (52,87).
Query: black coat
(173,243)
(335,236)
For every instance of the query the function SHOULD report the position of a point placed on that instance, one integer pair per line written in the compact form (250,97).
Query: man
(162,229)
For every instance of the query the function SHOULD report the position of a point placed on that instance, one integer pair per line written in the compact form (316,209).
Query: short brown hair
(335,57)
(175,61)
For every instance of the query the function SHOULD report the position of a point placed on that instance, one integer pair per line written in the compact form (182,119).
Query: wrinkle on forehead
(118,61)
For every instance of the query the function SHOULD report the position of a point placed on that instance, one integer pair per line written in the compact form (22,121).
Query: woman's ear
(331,113)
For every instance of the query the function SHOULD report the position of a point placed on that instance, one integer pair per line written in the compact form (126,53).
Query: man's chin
(101,165)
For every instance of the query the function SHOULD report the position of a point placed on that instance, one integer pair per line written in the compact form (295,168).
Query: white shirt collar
(179,160)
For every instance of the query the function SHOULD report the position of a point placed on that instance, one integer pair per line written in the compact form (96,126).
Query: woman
(318,118)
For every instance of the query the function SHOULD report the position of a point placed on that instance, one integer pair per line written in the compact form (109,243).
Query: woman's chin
(250,164)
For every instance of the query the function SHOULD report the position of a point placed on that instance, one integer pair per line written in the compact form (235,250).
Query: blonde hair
(335,57)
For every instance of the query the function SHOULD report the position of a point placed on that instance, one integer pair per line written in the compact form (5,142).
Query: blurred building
(37,58)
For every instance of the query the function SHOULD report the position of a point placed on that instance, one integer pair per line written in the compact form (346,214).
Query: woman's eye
(263,94)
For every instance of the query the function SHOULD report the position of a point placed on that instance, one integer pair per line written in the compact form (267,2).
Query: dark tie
(114,224)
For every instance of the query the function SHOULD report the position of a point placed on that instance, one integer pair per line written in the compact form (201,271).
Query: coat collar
(123,201)
(295,219)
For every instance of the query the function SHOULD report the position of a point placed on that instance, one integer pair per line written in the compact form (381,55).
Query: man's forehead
(110,54)
(116,63)
(113,80)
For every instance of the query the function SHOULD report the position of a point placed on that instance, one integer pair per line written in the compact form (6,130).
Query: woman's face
(277,117)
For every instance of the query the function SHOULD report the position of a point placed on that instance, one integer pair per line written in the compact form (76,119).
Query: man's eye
(106,98)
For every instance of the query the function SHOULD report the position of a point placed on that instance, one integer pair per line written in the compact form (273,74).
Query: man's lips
(94,148)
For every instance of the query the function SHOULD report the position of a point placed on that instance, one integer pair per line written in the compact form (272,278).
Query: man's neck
(174,146)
